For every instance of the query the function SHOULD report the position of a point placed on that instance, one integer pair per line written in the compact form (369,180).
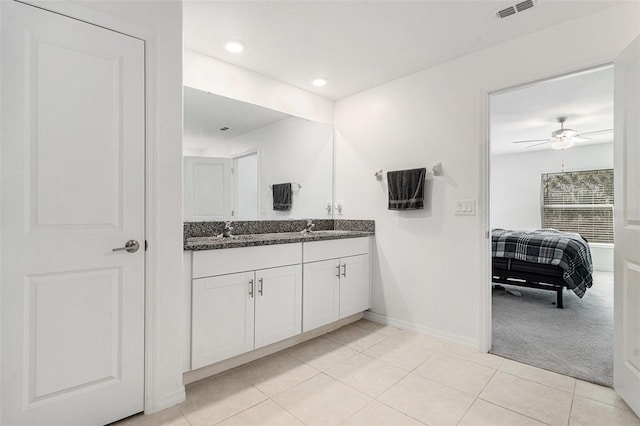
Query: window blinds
(579,202)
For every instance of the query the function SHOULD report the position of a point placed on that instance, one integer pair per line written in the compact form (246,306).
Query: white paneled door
(626,369)
(72,189)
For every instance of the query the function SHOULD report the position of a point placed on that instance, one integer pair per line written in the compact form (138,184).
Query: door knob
(131,246)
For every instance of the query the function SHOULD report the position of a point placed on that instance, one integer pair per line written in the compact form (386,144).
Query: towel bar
(436,170)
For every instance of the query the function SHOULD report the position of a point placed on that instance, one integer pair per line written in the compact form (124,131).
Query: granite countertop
(249,240)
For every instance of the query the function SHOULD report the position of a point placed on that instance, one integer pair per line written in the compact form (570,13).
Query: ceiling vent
(512,10)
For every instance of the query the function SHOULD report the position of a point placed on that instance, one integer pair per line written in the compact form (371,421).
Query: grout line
(365,406)
(401,412)
(287,411)
(573,397)
(512,410)
(487,384)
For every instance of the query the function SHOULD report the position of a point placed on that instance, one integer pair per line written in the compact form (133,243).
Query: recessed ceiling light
(235,46)
(319,82)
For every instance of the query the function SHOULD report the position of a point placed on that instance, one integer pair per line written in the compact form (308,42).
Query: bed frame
(528,274)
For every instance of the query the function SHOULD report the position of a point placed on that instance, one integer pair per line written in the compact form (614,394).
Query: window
(579,202)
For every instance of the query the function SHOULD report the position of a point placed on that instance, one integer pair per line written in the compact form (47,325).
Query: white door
(354,285)
(222,317)
(246,185)
(321,294)
(278,307)
(72,189)
(626,371)
(207,188)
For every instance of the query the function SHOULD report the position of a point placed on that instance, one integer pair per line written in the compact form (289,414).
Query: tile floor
(369,374)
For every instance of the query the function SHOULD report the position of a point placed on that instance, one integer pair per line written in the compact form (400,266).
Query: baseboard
(169,400)
(381,319)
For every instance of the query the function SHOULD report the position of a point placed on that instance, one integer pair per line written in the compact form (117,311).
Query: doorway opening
(551,167)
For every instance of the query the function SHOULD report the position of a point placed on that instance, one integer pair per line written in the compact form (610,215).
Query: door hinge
(486,235)
(233,212)
(146,245)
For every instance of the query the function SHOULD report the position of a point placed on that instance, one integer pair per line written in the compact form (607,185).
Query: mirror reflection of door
(246,186)
(207,184)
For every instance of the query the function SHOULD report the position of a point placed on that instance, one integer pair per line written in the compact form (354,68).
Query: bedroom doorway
(551,166)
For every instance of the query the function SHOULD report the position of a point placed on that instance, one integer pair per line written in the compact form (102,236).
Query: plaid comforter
(566,250)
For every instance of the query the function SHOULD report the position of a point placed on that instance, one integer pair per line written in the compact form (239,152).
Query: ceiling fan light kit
(561,142)
(562,138)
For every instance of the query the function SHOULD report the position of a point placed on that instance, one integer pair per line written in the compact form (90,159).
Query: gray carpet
(576,341)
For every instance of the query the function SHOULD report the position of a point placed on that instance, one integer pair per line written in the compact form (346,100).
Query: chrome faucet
(226,232)
(309,226)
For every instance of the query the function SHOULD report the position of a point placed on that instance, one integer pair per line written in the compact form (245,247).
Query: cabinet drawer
(207,263)
(332,249)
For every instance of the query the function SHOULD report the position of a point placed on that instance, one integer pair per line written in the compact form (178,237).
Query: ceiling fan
(563,138)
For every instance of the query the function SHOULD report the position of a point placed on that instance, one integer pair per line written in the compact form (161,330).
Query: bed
(544,259)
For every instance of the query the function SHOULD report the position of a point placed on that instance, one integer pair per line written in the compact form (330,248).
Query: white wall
(427,272)
(212,75)
(291,150)
(163,19)
(515,180)
(515,187)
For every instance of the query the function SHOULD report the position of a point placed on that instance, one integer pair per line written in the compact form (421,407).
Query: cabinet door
(354,285)
(278,304)
(222,317)
(321,295)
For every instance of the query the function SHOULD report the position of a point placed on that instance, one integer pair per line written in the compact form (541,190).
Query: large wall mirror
(235,153)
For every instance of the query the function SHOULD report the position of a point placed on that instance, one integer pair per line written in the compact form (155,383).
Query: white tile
(276,373)
(378,414)
(473,355)
(589,412)
(405,350)
(321,353)
(322,400)
(214,399)
(455,372)
(387,330)
(427,401)
(367,375)
(538,375)
(357,338)
(600,394)
(168,417)
(267,413)
(484,413)
(541,402)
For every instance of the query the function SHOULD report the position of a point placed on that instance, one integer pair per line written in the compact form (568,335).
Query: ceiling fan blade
(533,140)
(536,144)
(594,132)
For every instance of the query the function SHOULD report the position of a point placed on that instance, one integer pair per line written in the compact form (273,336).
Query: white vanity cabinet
(235,312)
(336,280)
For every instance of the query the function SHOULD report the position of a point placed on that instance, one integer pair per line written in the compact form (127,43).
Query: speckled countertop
(249,240)
(204,235)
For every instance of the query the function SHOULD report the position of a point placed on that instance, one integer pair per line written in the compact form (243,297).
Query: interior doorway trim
(153,401)
(234,159)
(484,195)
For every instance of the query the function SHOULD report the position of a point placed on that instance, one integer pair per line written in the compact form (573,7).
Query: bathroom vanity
(256,293)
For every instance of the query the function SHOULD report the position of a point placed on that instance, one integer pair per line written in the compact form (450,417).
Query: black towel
(406,189)
(282,196)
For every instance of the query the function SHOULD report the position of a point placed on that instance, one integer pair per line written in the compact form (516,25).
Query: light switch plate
(465,208)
